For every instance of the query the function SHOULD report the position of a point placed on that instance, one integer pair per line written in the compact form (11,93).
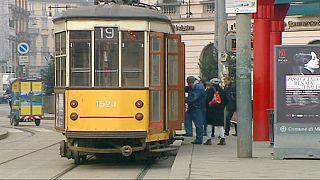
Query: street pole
(216,24)
(222,27)
(243,74)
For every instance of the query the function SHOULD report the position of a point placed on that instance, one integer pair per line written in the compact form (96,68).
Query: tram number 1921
(110,33)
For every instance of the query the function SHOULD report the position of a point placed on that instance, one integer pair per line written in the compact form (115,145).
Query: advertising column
(297,98)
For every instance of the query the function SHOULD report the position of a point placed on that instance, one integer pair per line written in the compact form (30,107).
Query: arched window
(314,42)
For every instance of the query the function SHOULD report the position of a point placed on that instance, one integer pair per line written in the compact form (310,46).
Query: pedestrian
(195,104)
(215,111)
(231,107)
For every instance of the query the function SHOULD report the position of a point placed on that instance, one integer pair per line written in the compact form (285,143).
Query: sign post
(23,48)
(297,101)
(243,8)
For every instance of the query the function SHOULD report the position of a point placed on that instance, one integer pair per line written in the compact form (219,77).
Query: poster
(297,101)
(298,84)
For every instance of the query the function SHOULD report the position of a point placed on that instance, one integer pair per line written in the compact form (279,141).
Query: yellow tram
(119,81)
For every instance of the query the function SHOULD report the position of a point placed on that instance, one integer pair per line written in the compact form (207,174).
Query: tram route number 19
(106,33)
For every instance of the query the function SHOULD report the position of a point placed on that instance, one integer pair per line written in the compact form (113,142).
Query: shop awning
(302,7)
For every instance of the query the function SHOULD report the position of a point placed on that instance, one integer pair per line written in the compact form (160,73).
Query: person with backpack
(216,100)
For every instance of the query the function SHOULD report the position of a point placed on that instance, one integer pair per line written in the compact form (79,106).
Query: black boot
(222,142)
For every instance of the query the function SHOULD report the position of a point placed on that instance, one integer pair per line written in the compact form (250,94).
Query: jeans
(197,116)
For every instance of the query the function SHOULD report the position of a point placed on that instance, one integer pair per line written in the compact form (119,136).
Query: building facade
(194,20)
(4,36)
(41,30)
(13,23)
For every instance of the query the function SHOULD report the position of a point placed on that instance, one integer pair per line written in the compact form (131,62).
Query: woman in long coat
(215,114)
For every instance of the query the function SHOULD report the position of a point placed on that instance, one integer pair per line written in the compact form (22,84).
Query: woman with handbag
(216,100)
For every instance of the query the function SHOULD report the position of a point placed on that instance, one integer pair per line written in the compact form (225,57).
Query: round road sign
(23,48)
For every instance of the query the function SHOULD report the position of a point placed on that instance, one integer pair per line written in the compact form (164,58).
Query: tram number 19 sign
(110,33)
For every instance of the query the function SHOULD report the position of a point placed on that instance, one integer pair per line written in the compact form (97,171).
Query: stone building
(41,29)
(13,23)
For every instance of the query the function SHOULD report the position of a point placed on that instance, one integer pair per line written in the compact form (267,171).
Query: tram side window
(80,58)
(106,57)
(132,59)
(60,58)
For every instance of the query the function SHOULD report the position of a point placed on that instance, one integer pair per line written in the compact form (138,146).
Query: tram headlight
(73,116)
(139,116)
(139,104)
(74,103)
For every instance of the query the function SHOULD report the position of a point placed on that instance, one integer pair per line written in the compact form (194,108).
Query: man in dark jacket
(231,107)
(195,101)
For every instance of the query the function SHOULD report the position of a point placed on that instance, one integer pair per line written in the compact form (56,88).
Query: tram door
(157,86)
(175,82)
(166,82)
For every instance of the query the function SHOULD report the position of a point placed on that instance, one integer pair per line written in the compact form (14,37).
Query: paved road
(32,152)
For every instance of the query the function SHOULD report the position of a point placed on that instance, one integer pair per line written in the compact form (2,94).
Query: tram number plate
(110,33)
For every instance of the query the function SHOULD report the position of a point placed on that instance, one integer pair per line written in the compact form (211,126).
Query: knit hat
(215,81)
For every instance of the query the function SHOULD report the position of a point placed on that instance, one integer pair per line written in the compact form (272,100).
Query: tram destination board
(297,100)
(110,33)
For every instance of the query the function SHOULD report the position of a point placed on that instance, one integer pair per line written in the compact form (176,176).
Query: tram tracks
(26,154)
(64,172)
(144,171)
(30,133)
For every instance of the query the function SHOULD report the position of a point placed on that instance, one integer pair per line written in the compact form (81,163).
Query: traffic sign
(23,48)
(23,60)
(241,6)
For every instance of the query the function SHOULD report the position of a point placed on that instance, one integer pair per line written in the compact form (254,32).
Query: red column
(277,27)
(261,70)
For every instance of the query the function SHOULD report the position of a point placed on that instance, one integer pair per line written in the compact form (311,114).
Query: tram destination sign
(297,100)
(107,33)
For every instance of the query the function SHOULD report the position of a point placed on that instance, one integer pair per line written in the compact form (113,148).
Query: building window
(31,8)
(45,23)
(32,60)
(169,9)
(169,1)
(45,41)
(56,10)
(209,8)
(11,21)
(44,9)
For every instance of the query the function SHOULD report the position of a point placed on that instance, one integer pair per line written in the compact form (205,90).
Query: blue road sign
(23,48)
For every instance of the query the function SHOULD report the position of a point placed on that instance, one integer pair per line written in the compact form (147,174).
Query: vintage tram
(119,81)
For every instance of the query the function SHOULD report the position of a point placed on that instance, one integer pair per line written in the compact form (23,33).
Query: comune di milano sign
(297,101)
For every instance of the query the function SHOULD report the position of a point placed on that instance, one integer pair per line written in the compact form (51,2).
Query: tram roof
(112,11)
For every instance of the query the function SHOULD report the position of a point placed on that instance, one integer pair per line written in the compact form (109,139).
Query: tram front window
(132,59)
(106,57)
(80,58)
